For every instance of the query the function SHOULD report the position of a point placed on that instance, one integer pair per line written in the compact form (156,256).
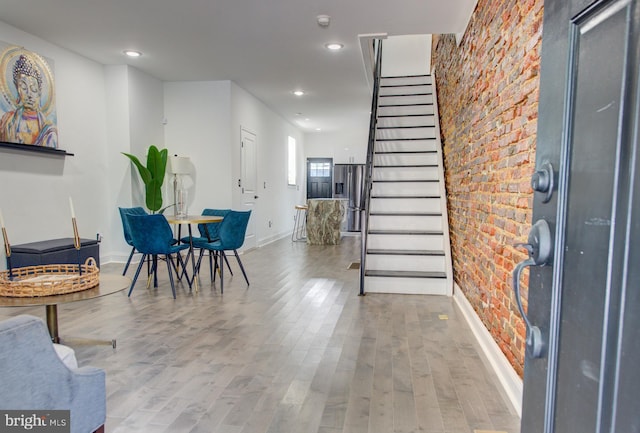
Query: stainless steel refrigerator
(348,184)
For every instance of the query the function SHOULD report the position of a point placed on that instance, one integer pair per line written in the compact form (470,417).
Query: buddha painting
(27,103)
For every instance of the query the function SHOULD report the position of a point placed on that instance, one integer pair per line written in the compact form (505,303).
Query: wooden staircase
(408,237)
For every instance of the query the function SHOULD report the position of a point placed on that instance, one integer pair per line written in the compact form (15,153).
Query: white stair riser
(409,286)
(405,205)
(405,263)
(406,146)
(405,90)
(405,100)
(407,173)
(407,110)
(406,159)
(405,188)
(408,222)
(403,81)
(395,122)
(405,133)
(405,242)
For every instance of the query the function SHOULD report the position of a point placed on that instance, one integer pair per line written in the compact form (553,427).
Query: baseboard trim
(509,379)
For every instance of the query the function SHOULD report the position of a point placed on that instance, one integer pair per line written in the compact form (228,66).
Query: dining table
(189,220)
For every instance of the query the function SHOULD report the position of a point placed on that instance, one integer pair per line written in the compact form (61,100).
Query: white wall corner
(471,9)
(509,379)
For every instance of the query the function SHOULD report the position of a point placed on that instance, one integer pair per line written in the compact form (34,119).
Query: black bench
(54,251)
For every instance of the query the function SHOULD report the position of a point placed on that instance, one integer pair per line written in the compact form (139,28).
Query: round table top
(193,219)
(108,284)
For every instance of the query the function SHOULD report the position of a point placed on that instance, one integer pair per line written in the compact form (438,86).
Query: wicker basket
(47,280)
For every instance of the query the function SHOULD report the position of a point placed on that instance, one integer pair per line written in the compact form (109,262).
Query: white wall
(135,113)
(276,199)
(198,126)
(343,148)
(35,189)
(105,110)
(406,55)
(113,245)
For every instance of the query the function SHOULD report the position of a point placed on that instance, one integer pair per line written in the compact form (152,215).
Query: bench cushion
(50,245)
(53,251)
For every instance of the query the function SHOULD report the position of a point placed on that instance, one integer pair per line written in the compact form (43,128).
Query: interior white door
(249,182)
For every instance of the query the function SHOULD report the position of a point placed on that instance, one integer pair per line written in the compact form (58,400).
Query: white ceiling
(268,47)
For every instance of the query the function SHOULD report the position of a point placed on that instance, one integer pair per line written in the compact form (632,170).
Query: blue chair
(152,236)
(231,232)
(209,233)
(124,211)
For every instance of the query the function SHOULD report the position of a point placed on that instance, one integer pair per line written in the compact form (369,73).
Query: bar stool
(300,223)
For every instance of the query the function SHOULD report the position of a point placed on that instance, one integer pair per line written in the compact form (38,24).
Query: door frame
(249,198)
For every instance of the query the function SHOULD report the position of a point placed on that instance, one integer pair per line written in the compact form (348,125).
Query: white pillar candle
(1,219)
(73,212)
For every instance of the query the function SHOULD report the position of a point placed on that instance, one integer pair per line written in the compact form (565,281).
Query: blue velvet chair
(209,233)
(231,235)
(127,231)
(152,236)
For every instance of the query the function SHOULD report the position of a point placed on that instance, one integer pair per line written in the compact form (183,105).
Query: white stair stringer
(408,247)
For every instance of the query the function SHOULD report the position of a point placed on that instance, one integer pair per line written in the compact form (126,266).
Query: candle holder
(76,242)
(7,252)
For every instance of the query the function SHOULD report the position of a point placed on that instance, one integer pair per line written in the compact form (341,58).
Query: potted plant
(152,176)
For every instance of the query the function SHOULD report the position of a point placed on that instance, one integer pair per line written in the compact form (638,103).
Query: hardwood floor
(297,351)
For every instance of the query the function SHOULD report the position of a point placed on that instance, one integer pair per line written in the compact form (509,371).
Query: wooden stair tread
(406,115)
(401,214)
(405,152)
(405,139)
(404,274)
(406,252)
(405,196)
(405,165)
(405,127)
(404,105)
(408,180)
(407,232)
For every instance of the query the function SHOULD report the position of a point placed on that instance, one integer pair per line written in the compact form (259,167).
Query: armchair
(33,377)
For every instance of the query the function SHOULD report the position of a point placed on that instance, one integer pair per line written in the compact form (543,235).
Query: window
(320,169)
(291,162)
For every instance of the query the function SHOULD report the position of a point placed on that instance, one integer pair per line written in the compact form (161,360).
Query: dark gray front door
(585,300)
(319,177)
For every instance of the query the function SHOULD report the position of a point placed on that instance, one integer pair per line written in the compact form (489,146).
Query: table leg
(194,277)
(52,322)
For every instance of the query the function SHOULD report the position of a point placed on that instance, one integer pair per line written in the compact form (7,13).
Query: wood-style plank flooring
(297,351)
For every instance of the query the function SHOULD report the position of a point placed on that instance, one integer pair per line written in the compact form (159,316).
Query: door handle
(256,197)
(542,181)
(539,248)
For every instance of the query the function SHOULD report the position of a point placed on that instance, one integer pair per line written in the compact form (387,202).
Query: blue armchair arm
(33,376)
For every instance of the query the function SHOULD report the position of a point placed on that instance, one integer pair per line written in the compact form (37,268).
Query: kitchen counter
(324,218)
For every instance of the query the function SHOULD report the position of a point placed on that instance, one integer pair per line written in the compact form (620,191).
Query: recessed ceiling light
(334,46)
(132,53)
(318,129)
(298,92)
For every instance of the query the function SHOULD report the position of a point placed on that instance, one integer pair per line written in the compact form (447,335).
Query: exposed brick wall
(488,102)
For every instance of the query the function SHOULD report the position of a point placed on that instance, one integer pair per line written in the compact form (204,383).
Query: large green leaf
(145,174)
(154,195)
(152,175)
